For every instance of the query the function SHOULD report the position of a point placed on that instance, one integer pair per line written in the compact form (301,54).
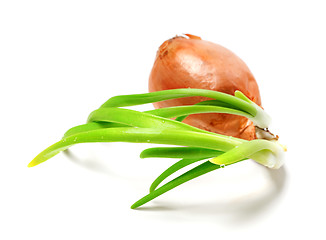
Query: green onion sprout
(113,122)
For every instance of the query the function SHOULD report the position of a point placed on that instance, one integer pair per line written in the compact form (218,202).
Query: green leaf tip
(31,164)
(187,176)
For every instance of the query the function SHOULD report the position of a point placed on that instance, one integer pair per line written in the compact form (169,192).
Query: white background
(59,60)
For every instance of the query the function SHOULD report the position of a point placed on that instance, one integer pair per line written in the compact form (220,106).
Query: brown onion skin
(194,63)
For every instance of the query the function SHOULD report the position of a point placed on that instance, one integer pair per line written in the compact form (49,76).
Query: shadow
(240,210)
(91,163)
(262,201)
(237,210)
(161,207)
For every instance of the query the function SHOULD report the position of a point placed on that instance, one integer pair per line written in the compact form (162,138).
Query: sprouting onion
(111,123)
(188,61)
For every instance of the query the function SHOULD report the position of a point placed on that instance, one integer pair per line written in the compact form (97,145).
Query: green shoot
(110,123)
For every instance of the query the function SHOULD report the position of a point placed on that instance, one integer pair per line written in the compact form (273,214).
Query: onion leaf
(191,174)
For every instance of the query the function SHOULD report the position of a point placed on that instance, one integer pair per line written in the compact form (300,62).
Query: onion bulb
(190,62)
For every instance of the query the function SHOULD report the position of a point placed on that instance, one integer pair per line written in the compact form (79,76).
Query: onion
(190,62)
(185,62)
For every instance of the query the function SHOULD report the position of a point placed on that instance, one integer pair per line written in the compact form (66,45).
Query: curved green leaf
(191,174)
(141,135)
(138,99)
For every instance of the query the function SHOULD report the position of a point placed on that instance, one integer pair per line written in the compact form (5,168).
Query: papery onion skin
(189,62)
